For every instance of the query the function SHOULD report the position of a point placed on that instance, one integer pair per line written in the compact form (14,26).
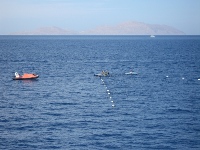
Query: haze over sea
(67,107)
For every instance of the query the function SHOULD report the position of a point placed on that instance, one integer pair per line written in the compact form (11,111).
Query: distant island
(126,28)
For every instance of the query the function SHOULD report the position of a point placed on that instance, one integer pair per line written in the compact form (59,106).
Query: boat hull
(98,75)
(101,75)
(131,73)
(26,78)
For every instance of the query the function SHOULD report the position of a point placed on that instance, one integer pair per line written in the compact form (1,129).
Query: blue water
(67,107)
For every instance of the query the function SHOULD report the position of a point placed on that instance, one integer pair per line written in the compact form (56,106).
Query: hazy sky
(24,15)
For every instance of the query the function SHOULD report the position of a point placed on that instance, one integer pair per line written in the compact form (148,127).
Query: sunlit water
(67,107)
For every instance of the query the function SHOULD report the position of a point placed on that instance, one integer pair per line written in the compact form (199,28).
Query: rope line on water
(108,92)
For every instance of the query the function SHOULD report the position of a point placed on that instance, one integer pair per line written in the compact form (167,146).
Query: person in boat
(105,73)
(17,75)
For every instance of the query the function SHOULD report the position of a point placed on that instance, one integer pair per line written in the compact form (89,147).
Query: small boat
(103,74)
(152,36)
(25,76)
(131,73)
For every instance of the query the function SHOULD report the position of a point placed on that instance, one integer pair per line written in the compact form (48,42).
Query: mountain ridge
(125,28)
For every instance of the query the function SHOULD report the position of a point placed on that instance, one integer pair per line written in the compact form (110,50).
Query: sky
(80,15)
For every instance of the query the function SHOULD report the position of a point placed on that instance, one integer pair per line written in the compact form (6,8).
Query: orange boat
(25,76)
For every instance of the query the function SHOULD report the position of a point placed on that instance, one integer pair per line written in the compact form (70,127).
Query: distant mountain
(127,28)
(135,28)
(47,31)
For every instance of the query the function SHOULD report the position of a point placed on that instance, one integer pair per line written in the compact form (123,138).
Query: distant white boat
(152,36)
(131,73)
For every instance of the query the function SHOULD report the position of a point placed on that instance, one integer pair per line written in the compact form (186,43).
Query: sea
(69,108)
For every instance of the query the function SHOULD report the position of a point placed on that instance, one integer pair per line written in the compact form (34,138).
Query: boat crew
(17,75)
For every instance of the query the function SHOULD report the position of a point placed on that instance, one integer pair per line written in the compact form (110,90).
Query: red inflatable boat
(25,76)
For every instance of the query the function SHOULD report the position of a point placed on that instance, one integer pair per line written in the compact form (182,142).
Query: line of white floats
(108,92)
(182,78)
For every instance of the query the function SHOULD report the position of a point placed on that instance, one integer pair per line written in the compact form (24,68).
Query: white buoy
(113,105)
(111,101)
(108,93)
(183,78)
(198,79)
(167,76)
(110,97)
(107,90)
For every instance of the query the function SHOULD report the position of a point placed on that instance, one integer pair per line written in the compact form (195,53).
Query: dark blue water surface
(67,107)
